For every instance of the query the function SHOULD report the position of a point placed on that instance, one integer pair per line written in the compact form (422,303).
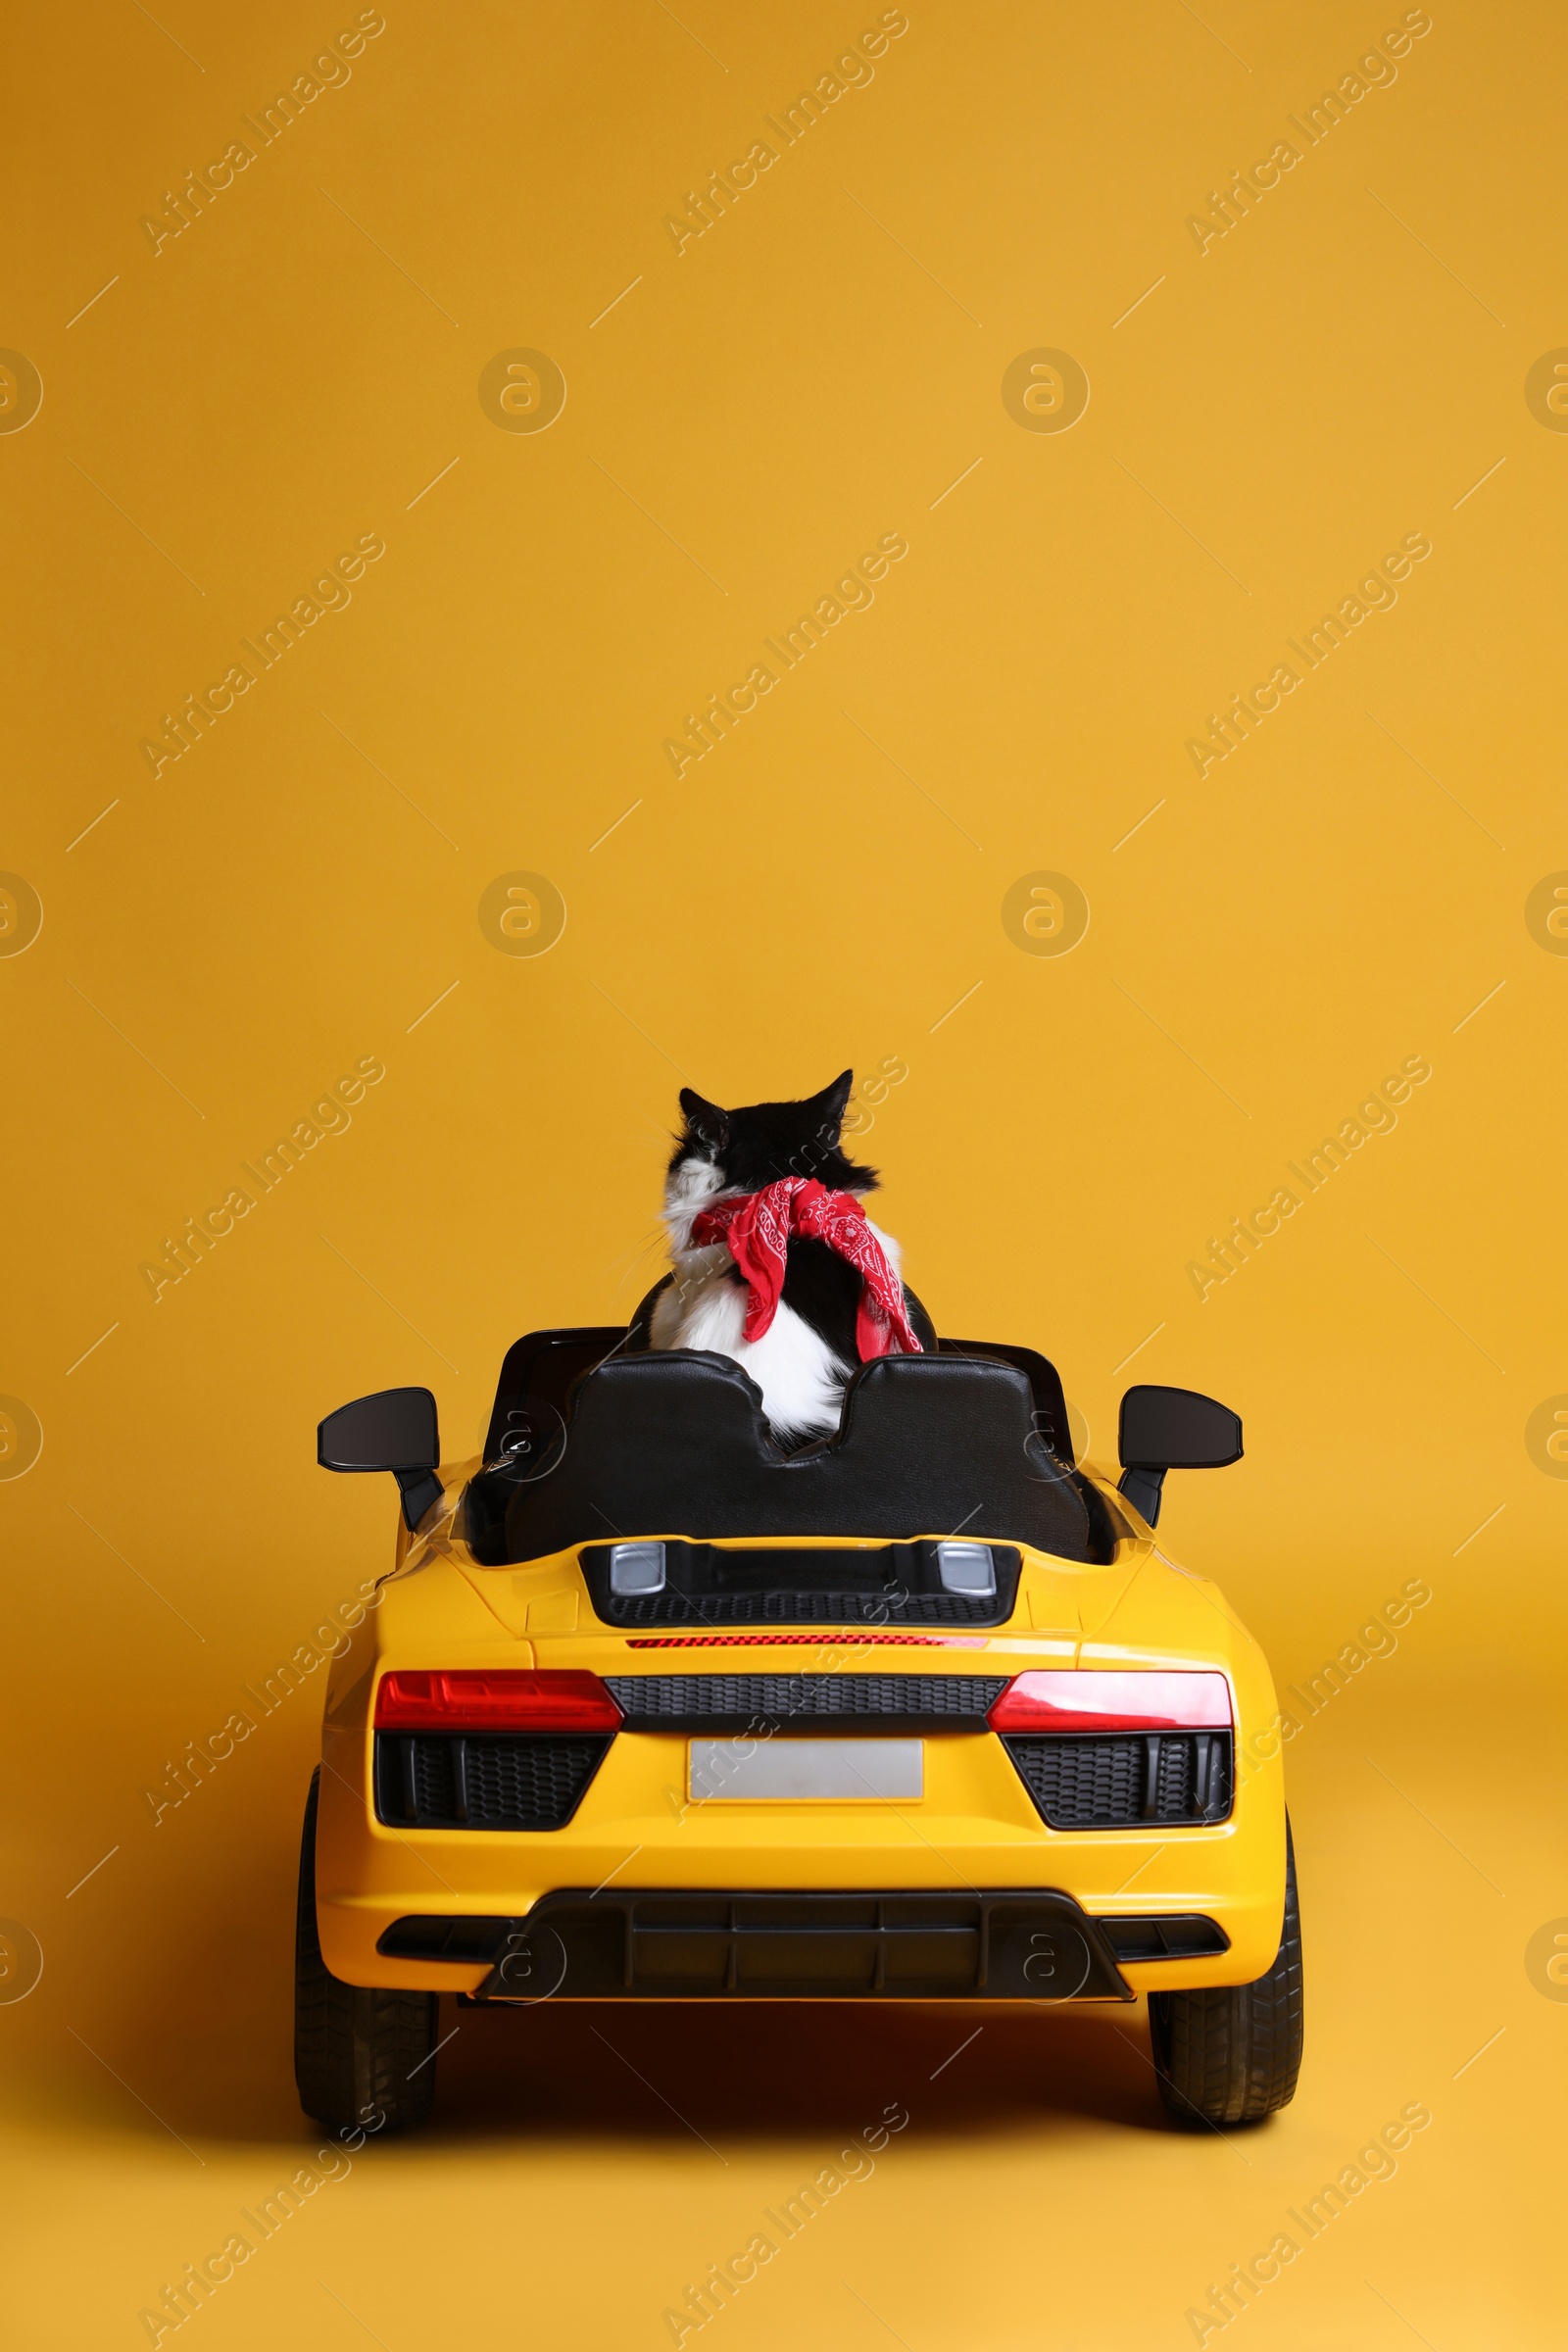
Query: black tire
(1232,2055)
(363,2057)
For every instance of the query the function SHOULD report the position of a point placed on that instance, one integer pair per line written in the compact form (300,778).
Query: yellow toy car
(654,1710)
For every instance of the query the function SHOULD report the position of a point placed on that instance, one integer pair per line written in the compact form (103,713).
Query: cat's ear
(705,1123)
(830,1106)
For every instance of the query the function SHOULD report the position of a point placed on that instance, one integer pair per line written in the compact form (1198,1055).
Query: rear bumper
(636,1835)
(1028,1943)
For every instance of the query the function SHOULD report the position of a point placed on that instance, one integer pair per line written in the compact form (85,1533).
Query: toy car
(655,1711)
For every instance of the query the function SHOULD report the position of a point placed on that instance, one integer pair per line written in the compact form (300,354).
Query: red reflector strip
(803,1640)
(500,1700)
(1079,1699)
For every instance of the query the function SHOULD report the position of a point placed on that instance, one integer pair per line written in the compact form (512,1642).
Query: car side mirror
(394,1430)
(1171,1429)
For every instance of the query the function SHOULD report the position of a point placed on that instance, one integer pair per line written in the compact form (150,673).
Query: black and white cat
(809,1351)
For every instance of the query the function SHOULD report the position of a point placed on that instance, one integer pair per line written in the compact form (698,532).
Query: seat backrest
(674,1442)
(1051,1405)
(541,1367)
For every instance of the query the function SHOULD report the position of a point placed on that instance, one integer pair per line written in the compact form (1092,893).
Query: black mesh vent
(798,1608)
(1121,1783)
(429,1780)
(527,1780)
(1077,1782)
(716,1702)
(434,1781)
(1173,1795)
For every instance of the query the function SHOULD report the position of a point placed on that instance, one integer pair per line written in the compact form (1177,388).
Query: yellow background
(297,368)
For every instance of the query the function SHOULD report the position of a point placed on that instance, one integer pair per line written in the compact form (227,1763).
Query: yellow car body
(651,1706)
(637,1825)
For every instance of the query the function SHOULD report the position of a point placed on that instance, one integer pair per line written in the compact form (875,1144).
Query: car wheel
(363,2058)
(1232,2055)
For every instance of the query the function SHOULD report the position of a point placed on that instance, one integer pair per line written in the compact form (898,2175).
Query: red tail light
(503,1700)
(1083,1700)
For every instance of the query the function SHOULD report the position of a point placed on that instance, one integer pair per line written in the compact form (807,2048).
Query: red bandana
(757,1228)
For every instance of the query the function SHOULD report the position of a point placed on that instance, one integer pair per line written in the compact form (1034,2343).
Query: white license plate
(781,1769)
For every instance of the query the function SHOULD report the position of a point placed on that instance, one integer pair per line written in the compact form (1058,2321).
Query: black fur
(769,1141)
(824,1290)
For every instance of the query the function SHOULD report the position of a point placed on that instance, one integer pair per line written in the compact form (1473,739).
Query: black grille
(798,1608)
(717,1702)
(433,1782)
(1113,1784)
(889,1583)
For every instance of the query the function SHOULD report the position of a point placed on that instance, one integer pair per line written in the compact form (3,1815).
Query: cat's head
(742,1151)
